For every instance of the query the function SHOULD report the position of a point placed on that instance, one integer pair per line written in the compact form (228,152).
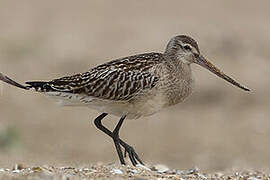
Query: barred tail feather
(40,86)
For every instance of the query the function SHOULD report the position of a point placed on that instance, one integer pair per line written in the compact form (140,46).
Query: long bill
(208,65)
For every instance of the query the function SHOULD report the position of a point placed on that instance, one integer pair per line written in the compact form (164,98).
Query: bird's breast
(178,85)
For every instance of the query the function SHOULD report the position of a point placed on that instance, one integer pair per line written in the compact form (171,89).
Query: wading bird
(131,87)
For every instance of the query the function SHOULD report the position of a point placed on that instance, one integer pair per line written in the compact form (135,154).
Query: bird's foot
(133,156)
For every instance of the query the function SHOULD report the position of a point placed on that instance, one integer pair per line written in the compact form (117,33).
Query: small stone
(253,178)
(16,171)
(143,167)
(86,169)
(193,171)
(161,168)
(134,171)
(202,176)
(116,171)
(36,169)
(179,172)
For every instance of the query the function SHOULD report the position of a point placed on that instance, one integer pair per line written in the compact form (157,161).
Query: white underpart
(145,107)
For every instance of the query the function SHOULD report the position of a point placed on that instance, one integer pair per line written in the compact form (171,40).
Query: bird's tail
(41,86)
(10,81)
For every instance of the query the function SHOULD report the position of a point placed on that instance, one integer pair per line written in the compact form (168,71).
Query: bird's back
(114,83)
(116,80)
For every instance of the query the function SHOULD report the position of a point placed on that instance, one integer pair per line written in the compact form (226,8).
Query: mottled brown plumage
(116,80)
(131,87)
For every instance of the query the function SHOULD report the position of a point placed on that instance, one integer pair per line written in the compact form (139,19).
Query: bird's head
(185,49)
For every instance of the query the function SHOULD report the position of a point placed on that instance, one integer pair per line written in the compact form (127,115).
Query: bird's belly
(134,109)
(148,105)
(142,106)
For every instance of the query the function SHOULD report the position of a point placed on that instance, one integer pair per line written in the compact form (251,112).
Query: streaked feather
(119,79)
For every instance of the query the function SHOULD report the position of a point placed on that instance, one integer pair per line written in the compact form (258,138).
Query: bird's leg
(114,135)
(128,149)
(116,139)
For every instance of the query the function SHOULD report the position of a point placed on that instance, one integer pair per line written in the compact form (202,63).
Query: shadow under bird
(131,87)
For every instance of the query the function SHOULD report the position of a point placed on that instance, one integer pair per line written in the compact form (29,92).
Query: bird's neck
(179,81)
(178,66)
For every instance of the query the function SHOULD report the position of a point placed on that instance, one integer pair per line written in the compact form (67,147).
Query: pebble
(178,171)
(253,178)
(193,171)
(134,171)
(143,167)
(202,176)
(116,171)
(16,171)
(161,168)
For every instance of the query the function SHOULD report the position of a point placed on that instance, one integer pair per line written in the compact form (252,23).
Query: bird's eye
(187,47)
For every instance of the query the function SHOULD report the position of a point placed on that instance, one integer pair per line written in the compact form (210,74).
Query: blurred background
(216,128)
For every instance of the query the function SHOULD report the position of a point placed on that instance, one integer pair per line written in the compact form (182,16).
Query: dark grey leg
(117,141)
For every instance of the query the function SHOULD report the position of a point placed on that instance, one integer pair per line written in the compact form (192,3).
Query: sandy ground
(218,127)
(112,171)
